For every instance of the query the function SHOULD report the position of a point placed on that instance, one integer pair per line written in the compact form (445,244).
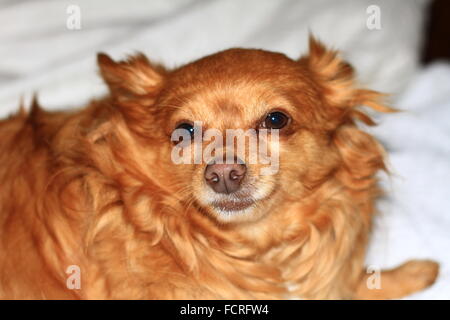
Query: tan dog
(98,188)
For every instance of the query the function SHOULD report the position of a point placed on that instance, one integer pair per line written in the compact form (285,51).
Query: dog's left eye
(275,120)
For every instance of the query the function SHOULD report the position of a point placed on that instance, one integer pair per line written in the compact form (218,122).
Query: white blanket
(39,53)
(415,217)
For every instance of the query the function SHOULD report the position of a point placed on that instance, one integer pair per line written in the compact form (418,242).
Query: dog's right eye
(183,134)
(186,126)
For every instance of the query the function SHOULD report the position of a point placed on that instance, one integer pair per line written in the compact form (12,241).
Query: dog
(93,205)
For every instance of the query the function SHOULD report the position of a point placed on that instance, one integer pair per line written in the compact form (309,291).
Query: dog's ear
(336,78)
(134,85)
(135,76)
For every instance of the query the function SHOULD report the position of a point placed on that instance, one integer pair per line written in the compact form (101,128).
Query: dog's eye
(275,120)
(186,126)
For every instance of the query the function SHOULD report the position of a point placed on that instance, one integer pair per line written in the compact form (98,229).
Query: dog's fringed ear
(134,84)
(337,80)
(135,76)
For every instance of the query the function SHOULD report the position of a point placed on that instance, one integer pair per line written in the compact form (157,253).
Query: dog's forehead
(233,87)
(234,105)
(237,63)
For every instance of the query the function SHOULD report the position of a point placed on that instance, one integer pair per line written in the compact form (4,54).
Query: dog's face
(280,105)
(252,92)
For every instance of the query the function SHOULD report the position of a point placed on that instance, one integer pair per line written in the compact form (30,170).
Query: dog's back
(55,214)
(25,239)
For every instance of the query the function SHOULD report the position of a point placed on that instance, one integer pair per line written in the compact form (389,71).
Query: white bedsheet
(39,54)
(415,217)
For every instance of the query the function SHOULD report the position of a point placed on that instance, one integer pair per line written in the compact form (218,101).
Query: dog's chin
(234,212)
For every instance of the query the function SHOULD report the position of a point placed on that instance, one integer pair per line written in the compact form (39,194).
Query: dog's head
(242,132)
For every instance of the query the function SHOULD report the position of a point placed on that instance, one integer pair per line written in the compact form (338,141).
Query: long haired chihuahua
(242,175)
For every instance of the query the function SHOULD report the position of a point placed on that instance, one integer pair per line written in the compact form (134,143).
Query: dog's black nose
(225,178)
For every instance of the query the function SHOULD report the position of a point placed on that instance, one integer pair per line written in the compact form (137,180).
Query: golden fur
(96,188)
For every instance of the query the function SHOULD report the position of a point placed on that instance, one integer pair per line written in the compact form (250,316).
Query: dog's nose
(225,178)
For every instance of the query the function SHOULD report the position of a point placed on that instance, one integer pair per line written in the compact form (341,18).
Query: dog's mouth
(243,205)
(233,205)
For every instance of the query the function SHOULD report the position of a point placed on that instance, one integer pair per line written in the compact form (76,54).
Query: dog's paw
(419,274)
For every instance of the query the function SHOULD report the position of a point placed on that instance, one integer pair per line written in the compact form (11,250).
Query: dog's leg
(406,279)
